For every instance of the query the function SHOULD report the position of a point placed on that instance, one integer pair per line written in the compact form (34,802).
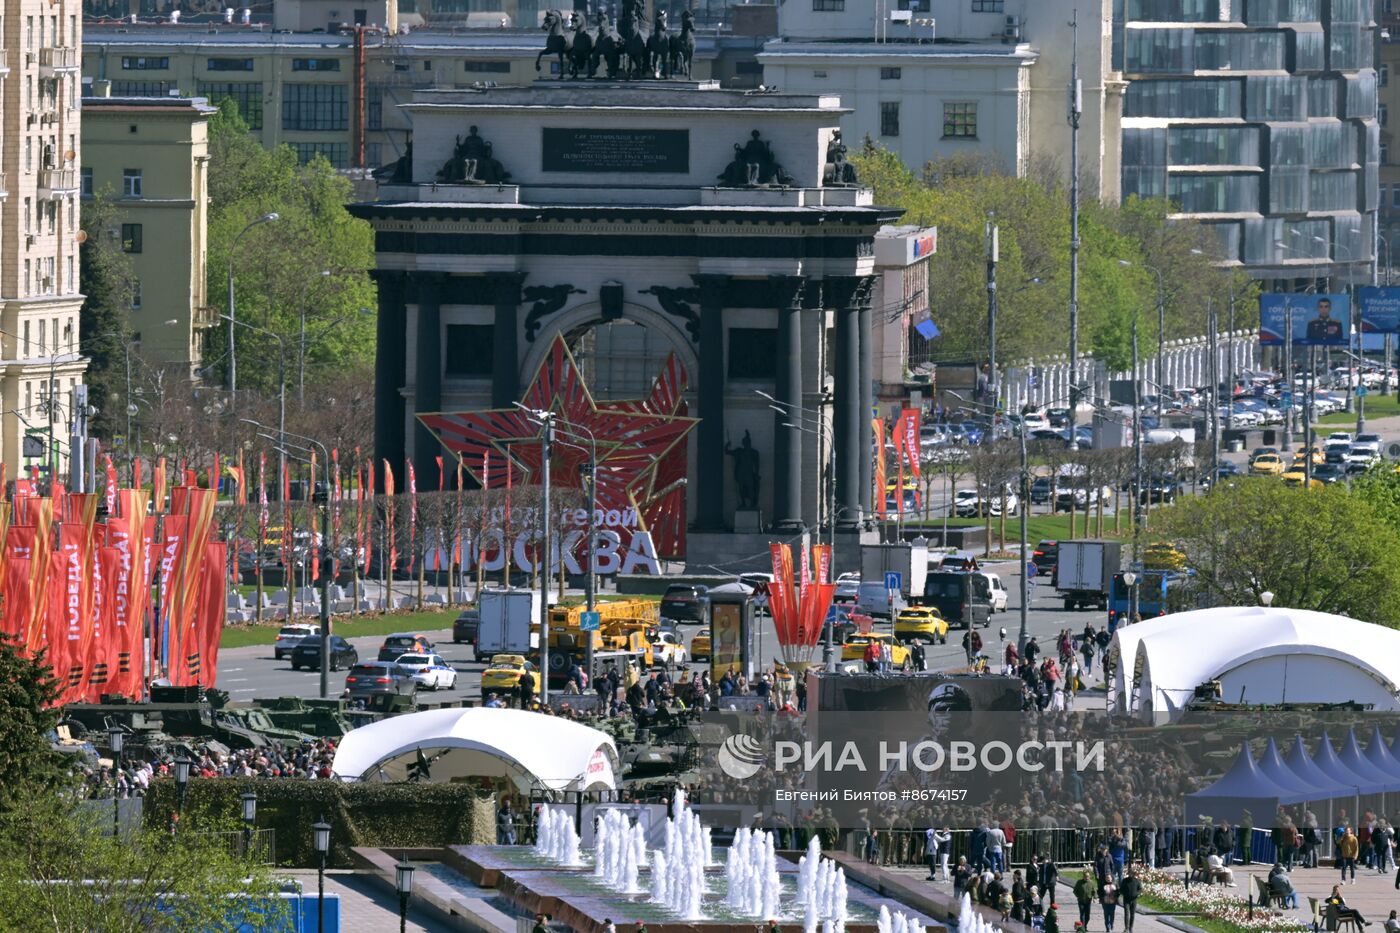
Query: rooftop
(623,95)
(866,48)
(196,104)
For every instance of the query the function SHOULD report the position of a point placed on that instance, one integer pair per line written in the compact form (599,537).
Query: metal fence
(1067,846)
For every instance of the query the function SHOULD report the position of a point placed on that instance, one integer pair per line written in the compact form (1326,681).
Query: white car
(998,591)
(847,588)
(289,635)
(428,670)
(1362,455)
(667,649)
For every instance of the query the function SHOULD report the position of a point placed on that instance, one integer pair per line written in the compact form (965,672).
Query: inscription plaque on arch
(571,149)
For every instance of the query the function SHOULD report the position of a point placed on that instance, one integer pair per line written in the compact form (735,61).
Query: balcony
(57,183)
(54,62)
(205,316)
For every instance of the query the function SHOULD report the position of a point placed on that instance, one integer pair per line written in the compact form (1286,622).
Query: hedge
(374,815)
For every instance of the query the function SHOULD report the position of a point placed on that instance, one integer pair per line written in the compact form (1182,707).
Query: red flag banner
(212,603)
(66,612)
(111,487)
(185,589)
(881,481)
(107,645)
(168,550)
(393,555)
(412,515)
(16,591)
(55,626)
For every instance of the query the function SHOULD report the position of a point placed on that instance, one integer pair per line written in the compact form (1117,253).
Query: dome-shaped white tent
(533,750)
(1259,655)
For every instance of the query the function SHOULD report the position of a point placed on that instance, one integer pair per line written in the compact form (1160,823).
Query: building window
(248,96)
(135,294)
(142,88)
(828,6)
(889,118)
(315,64)
(988,6)
(1395,197)
(131,183)
(1383,75)
(499,68)
(427,65)
(230,64)
(144,63)
(819,74)
(1382,114)
(753,353)
(315,107)
(470,350)
(890,74)
(131,238)
(960,121)
(1385,154)
(338,154)
(26,339)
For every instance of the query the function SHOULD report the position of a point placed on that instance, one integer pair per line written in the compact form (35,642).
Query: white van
(998,591)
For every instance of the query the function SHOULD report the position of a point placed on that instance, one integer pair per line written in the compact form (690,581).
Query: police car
(428,670)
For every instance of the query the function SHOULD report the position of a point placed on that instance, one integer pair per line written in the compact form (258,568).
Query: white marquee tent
(1259,655)
(532,750)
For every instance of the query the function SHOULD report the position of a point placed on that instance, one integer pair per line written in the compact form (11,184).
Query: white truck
(910,561)
(506,620)
(1084,572)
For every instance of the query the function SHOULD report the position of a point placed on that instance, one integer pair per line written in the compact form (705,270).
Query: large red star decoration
(641,457)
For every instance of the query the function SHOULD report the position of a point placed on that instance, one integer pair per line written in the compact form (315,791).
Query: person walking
(1085,891)
(1108,900)
(1347,848)
(1129,894)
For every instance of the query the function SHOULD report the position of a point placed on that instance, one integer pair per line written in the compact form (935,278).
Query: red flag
(881,481)
(393,555)
(442,477)
(18,609)
(136,473)
(158,481)
(262,507)
(109,647)
(54,640)
(65,610)
(184,588)
(111,487)
(333,546)
(369,489)
(215,476)
(412,515)
(124,602)
(212,604)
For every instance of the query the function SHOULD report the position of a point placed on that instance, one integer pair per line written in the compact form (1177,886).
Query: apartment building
(39,230)
(932,80)
(150,157)
(1259,119)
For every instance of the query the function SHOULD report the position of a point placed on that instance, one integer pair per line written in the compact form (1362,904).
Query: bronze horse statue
(558,43)
(607,48)
(580,50)
(683,46)
(659,48)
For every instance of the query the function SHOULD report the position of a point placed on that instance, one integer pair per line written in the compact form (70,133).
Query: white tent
(533,750)
(1259,655)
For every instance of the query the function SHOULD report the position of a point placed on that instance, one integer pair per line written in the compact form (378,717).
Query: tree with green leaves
(311,263)
(1122,248)
(105,277)
(28,715)
(62,869)
(1328,550)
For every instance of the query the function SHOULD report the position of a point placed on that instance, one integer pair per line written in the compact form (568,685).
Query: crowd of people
(132,776)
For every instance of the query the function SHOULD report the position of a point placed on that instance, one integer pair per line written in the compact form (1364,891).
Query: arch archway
(584,316)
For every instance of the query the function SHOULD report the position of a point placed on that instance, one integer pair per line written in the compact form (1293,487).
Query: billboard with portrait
(727,648)
(1380,309)
(1318,320)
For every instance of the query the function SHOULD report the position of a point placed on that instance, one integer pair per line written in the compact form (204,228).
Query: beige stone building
(151,157)
(39,158)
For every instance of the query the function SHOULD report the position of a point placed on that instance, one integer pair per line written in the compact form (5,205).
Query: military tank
(324,719)
(174,714)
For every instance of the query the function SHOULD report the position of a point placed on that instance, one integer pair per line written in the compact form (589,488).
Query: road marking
(233,670)
(237,680)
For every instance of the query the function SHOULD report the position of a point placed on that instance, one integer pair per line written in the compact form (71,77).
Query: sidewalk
(364,905)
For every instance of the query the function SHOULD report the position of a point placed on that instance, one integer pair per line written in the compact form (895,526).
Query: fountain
(821,890)
(752,874)
(897,923)
(682,861)
(969,921)
(555,837)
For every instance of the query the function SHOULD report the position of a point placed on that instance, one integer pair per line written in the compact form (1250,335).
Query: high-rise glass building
(1257,117)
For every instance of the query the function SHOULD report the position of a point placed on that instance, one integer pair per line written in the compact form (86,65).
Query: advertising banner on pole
(1318,320)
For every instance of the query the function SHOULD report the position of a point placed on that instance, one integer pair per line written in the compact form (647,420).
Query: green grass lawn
(1054,527)
(241,636)
(1377,406)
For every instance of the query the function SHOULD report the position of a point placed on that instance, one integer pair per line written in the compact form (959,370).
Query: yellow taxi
(921,623)
(503,673)
(1297,476)
(700,646)
(1266,465)
(854,648)
(1314,451)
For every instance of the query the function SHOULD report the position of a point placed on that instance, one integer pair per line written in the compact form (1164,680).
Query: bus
(1159,592)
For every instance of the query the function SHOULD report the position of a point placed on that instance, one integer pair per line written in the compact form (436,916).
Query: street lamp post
(1266,599)
(321,839)
(326,554)
(116,740)
(546,421)
(822,430)
(1130,580)
(1161,338)
(403,883)
(249,801)
(182,783)
(231,315)
(590,474)
(993,242)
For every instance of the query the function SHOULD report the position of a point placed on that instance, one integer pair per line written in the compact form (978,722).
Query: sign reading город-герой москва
(573,149)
